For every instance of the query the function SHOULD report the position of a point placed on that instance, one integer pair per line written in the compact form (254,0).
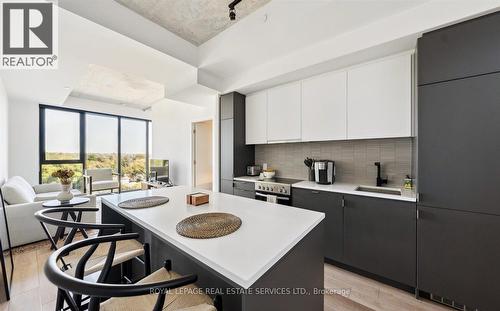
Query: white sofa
(23,200)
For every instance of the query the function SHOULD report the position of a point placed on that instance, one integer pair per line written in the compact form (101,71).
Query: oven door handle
(266,196)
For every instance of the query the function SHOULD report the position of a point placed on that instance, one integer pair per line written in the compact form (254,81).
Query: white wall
(24,132)
(4,132)
(172,139)
(23,140)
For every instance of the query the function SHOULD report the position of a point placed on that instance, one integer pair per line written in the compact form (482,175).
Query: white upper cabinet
(284,113)
(371,100)
(256,118)
(324,100)
(380,99)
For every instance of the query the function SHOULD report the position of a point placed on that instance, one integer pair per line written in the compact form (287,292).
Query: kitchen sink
(382,190)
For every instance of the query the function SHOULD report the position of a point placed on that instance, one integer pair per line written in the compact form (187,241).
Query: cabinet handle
(343,202)
(315,192)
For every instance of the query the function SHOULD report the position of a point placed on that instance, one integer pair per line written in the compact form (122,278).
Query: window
(133,153)
(62,135)
(61,144)
(78,140)
(101,150)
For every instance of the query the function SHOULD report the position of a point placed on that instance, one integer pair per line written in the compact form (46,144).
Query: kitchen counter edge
(344,188)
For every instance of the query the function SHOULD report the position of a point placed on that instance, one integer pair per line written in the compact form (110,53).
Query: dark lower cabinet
(459,256)
(331,204)
(375,235)
(380,237)
(244,189)
(244,193)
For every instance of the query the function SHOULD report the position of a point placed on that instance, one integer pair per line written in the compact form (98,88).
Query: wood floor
(31,291)
(366,294)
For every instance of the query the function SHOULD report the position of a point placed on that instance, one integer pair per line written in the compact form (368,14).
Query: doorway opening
(202,154)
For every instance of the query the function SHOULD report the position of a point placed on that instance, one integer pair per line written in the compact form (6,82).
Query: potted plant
(66,178)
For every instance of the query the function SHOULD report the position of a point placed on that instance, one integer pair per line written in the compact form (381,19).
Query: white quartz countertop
(350,189)
(340,187)
(267,233)
(247,178)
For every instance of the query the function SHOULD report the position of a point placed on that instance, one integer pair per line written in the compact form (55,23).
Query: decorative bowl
(269,174)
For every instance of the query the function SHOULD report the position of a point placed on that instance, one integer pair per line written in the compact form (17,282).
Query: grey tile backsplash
(354,160)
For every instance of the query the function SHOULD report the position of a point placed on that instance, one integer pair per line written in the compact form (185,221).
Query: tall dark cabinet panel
(234,154)
(458,163)
(464,50)
(458,256)
(459,145)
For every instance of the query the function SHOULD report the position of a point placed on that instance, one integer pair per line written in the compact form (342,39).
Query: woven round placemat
(208,225)
(144,202)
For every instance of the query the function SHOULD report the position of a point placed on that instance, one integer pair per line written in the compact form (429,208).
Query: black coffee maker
(324,171)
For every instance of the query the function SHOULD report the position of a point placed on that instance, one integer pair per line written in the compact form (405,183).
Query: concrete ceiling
(81,43)
(108,85)
(196,21)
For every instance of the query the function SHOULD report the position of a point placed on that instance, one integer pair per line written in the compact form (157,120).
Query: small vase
(65,195)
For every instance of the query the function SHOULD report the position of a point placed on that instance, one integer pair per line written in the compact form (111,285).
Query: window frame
(82,138)
(42,132)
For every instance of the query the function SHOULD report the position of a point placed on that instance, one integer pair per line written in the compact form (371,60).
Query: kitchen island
(273,261)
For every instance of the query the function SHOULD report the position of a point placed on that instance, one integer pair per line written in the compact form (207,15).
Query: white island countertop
(267,233)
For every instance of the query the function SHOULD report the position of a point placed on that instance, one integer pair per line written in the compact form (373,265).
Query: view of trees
(133,168)
(48,169)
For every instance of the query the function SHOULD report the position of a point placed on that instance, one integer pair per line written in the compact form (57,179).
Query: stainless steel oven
(272,198)
(276,190)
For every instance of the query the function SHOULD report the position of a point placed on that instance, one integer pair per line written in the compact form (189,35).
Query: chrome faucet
(380,181)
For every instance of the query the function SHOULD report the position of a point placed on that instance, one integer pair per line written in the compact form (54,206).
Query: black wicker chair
(125,251)
(162,290)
